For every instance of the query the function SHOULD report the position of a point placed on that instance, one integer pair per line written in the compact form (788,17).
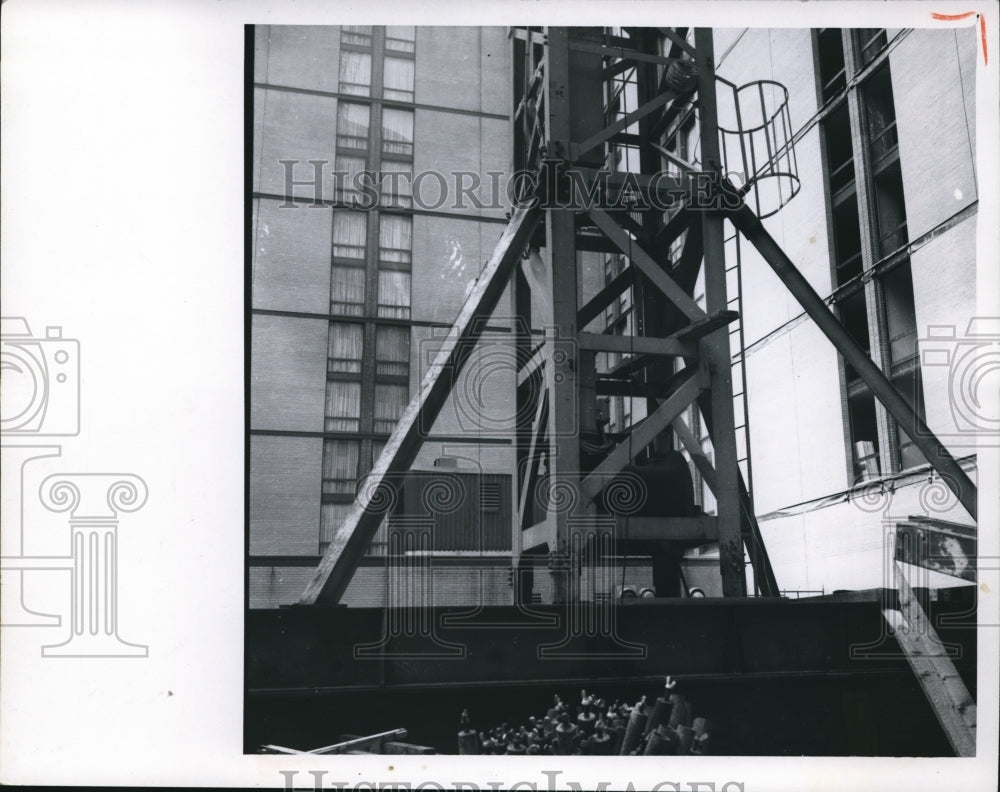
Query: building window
(832,71)
(869,42)
(347,167)
(881,112)
(355,73)
(854,316)
(340,466)
(347,290)
(864,434)
(397,184)
(352,126)
(343,406)
(392,351)
(400,38)
(345,350)
(398,79)
(394,294)
(356,35)
(901,318)
(397,133)
(395,240)
(839,151)
(847,239)
(390,401)
(349,235)
(890,207)
(874,451)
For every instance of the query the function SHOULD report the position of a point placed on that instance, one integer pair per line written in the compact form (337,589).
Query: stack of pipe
(597,728)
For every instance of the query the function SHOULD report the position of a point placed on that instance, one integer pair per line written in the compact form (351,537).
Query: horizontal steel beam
(636,345)
(667,529)
(622,53)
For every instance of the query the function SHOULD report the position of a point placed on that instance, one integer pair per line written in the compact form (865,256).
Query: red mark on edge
(953,17)
(982,26)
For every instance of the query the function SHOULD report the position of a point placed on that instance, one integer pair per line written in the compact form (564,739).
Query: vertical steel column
(864,187)
(715,347)
(560,348)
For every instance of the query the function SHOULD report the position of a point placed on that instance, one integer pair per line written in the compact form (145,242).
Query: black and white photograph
(554,395)
(607,391)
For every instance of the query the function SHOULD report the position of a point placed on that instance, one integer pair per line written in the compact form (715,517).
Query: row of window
(344,367)
(353,127)
(894,333)
(370,137)
(397,63)
(347,284)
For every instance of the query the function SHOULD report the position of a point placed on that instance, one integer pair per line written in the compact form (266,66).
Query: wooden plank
(350,540)
(280,749)
(936,674)
(353,742)
(929,658)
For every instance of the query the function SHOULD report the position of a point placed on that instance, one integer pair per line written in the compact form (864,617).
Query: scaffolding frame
(556,135)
